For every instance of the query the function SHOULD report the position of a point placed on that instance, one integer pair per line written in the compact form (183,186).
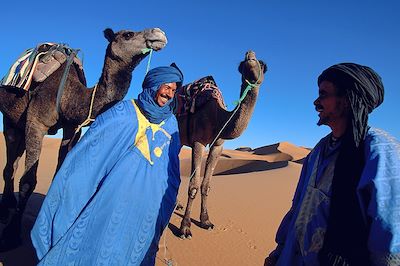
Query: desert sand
(251,191)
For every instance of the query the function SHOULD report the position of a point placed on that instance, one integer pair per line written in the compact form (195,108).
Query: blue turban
(151,83)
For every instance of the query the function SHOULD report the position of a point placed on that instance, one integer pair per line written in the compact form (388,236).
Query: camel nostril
(250,55)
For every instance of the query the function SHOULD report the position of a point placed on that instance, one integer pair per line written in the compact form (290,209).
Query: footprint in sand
(251,245)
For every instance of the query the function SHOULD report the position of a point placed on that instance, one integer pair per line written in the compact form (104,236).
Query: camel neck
(115,79)
(242,115)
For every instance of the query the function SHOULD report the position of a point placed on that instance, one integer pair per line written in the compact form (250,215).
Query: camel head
(252,69)
(128,46)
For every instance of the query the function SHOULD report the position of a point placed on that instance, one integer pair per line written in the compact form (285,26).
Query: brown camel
(28,117)
(202,128)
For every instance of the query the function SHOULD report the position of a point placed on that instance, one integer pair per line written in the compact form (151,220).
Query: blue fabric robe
(114,194)
(300,235)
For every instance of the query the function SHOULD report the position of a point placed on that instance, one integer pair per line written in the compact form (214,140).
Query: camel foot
(207,225)
(185,232)
(183,237)
(185,229)
(205,222)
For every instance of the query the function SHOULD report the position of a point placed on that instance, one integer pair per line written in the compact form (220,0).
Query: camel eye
(128,35)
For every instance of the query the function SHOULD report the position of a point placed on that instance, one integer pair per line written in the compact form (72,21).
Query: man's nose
(316,101)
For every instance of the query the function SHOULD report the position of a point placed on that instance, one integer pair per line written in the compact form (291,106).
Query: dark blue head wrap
(364,89)
(151,83)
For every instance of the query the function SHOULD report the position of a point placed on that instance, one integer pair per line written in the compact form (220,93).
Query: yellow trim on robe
(141,141)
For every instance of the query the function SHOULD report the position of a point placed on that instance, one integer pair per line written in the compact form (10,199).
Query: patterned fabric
(317,198)
(300,235)
(386,259)
(38,63)
(110,200)
(194,95)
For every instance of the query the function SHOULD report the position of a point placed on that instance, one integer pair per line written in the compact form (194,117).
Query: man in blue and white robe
(116,190)
(346,208)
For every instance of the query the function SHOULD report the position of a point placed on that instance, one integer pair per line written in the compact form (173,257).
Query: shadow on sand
(25,254)
(252,166)
(231,166)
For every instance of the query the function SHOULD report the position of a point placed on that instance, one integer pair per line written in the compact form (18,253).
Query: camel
(201,128)
(28,117)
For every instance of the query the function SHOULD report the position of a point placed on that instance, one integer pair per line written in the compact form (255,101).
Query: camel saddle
(194,95)
(38,63)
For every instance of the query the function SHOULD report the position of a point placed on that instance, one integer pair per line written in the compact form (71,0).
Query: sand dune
(251,191)
(247,160)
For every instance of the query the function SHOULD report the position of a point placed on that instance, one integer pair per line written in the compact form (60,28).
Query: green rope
(150,51)
(249,86)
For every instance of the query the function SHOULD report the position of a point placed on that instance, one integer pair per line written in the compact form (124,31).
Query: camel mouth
(156,45)
(155,38)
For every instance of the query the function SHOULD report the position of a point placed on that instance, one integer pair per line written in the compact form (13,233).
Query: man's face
(165,93)
(332,109)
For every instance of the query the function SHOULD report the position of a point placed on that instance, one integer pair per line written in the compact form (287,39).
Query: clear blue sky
(297,39)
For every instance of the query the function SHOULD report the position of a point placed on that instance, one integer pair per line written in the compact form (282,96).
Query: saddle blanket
(37,64)
(194,95)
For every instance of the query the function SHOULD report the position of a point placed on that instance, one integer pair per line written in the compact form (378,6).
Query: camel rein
(60,91)
(150,51)
(88,119)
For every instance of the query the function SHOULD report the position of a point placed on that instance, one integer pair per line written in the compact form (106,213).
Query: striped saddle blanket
(194,95)
(36,64)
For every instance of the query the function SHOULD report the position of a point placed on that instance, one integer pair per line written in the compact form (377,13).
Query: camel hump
(193,96)
(38,63)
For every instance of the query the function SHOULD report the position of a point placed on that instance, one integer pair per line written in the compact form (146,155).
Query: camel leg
(212,159)
(69,140)
(15,147)
(197,155)
(34,134)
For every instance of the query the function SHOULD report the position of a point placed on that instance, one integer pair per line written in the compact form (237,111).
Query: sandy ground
(251,191)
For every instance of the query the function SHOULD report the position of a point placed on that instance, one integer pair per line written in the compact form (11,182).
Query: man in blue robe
(346,208)
(116,190)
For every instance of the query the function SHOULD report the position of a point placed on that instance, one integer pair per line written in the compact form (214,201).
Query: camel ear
(263,65)
(109,34)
